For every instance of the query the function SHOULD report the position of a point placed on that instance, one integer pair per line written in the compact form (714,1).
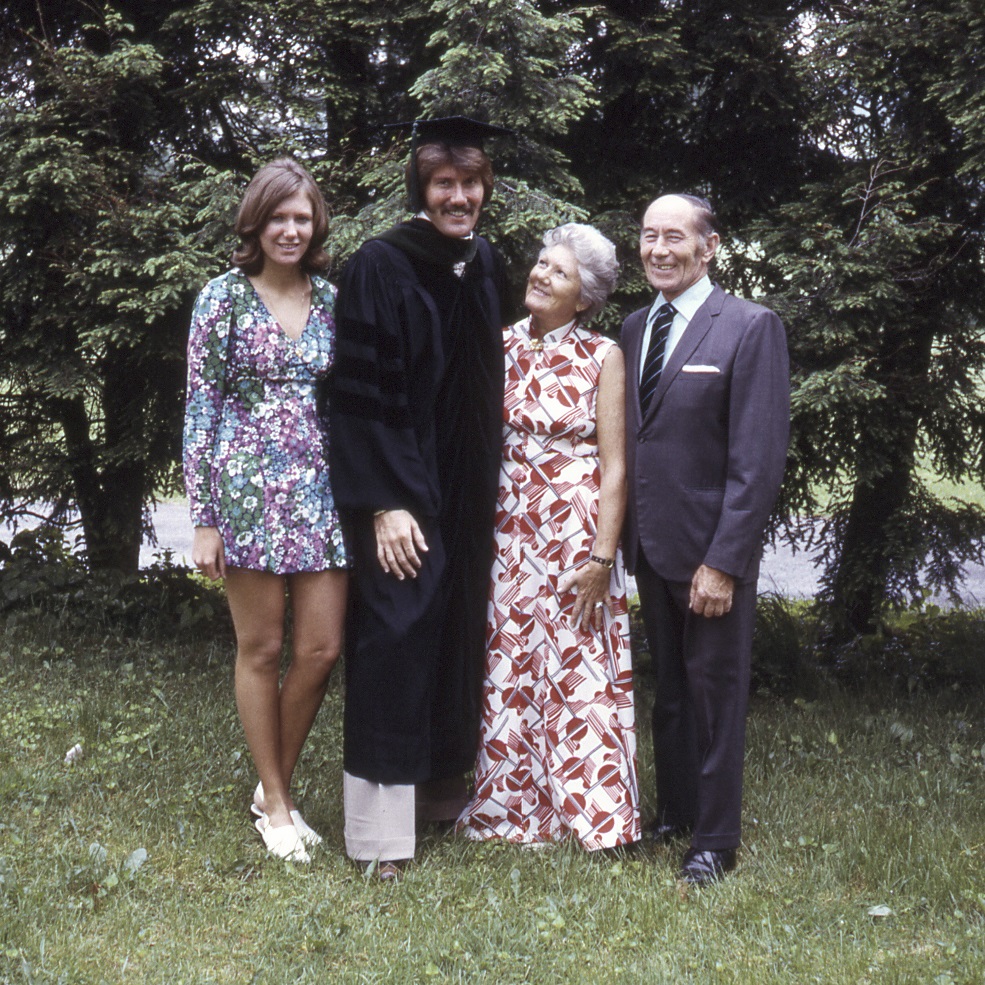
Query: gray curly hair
(598,267)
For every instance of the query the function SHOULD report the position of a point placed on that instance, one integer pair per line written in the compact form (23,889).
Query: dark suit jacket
(705,464)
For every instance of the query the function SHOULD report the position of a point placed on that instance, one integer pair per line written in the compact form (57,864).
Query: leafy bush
(42,582)
(793,651)
(923,647)
(784,647)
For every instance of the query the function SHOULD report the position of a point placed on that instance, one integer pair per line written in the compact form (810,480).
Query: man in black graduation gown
(415,425)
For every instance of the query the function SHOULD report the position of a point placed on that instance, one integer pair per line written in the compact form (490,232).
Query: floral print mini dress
(255,445)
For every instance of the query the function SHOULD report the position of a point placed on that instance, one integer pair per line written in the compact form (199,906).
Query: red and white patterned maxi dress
(557,749)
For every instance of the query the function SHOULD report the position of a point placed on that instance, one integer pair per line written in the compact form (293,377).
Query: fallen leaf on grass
(135,861)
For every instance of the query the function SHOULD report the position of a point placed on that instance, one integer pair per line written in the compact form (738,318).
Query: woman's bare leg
(318,601)
(257,603)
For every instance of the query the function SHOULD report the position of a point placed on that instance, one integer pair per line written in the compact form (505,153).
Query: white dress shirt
(686,305)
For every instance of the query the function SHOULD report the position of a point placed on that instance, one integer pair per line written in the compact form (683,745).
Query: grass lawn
(863,858)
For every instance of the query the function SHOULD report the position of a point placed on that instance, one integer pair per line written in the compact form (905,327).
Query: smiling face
(554,289)
(453,199)
(675,254)
(287,235)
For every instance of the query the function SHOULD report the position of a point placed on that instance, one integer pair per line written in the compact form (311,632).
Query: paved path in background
(783,571)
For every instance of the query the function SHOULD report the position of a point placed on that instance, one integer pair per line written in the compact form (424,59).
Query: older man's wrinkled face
(674,253)
(453,200)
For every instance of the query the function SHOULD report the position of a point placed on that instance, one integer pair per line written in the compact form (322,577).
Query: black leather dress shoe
(702,867)
(664,834)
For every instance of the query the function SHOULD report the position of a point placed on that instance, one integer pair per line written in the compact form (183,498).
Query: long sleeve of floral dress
(208,352)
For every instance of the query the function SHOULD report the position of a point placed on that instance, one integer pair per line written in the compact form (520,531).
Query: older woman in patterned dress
(256,472)
(557,752)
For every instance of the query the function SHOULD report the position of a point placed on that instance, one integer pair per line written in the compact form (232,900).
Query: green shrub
(793,650)
(921,647)
(43,583)
(784,647)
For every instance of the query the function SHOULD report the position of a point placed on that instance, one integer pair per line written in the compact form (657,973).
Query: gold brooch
(536,345)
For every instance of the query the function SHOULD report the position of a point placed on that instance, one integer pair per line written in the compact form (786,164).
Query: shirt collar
(687,302)
(553,336)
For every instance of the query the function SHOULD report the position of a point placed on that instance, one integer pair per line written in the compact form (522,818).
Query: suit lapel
(632,341)
(697,328)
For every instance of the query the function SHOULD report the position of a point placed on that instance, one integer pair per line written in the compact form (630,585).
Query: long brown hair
(269,187)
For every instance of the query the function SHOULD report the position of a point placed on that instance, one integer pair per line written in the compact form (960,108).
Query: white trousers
(379,819)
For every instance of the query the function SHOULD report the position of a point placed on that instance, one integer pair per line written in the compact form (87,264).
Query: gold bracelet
(380,512)
(606,562)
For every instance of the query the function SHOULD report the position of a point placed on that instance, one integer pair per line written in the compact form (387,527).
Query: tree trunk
(888,437)
(114,526)
(866,552)
(109,498)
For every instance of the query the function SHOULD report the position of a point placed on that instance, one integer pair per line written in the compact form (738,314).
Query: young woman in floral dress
(256,472)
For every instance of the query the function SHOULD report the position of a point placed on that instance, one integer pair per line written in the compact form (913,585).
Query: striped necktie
(653,364)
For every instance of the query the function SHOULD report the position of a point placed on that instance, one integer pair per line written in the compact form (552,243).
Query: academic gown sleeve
(380,450)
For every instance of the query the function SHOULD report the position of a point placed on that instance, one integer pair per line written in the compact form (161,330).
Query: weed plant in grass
(862,861)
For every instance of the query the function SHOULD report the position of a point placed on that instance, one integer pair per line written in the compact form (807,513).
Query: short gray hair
(704,214)
(598,267)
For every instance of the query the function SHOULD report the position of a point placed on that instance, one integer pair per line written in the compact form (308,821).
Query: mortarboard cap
(456,131)
(452,131)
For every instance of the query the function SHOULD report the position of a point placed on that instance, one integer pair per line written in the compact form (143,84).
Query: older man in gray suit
(707,424)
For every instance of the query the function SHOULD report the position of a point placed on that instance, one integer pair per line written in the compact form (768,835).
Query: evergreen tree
(843,145)
(878,273)
(126,133)
(701,96)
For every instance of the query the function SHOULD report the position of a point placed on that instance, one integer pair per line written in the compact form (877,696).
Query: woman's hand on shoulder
(208,553)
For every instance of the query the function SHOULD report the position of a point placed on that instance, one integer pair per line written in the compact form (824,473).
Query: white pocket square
(698,368)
